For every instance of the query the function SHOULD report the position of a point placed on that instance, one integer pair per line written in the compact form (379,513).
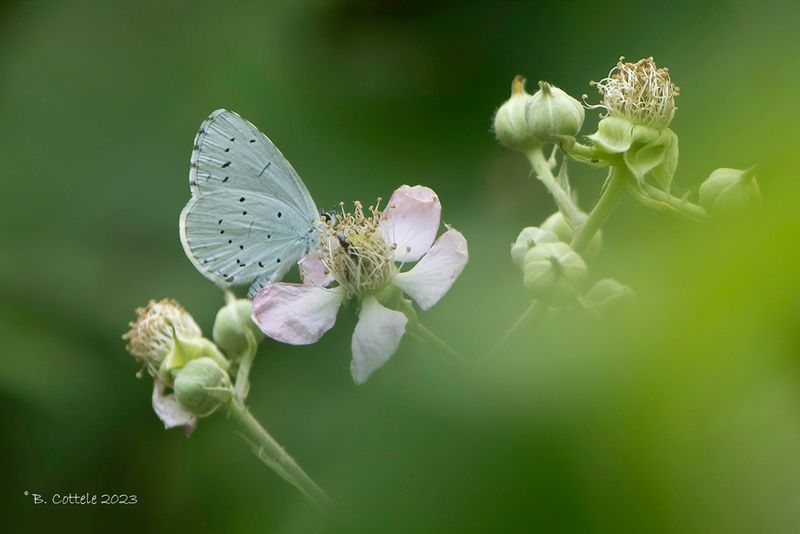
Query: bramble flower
(164,337)
(640,92)
(360,253)
(152,336)
(640,100)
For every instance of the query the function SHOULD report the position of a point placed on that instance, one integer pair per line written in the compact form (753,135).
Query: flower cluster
(634,141)
(361,258)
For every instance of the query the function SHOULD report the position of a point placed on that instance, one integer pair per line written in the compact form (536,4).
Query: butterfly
(250,218)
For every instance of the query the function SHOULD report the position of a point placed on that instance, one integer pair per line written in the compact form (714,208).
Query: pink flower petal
(412,220)
(312,270)
(435,273)
(170,411)
(375,338)
(294,313)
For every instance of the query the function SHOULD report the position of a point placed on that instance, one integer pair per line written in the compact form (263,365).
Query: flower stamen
(638,91)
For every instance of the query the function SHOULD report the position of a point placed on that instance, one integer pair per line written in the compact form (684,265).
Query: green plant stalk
(615,188)
(242,386)
(421,333)
(681,205)
(537,309)
(541,167)
(272,454)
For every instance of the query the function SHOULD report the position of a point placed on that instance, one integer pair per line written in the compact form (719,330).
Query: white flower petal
(170,411)
(412,220)
(294,313)
(312,270)
(375,338)
(433,276)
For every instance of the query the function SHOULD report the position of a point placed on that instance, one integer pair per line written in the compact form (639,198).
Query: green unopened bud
(202,386)
(510,123)
(233,326)
(528,238)
(730,191)
(552,113)
(608,295)
(553,272)
(559,226)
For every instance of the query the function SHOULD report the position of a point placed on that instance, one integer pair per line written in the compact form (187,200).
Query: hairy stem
(541,167)
(420,332)
(614,190)
(271,453)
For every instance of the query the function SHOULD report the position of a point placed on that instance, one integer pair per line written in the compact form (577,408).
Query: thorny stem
(543,171)
(537,309)
(271,453)
(420,332)
(614,190)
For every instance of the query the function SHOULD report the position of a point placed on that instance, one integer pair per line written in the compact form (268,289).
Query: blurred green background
(683,416)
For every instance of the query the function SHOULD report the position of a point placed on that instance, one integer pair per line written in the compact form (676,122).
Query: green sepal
(644,157)
(186,349)
(614,135)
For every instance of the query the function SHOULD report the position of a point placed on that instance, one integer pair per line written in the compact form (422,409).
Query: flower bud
(528,238)
(553,272)
(608,294)
(552,113)
(185,350)
(730,191)
(233,322)
(510,123)
(559,226)
(202,386)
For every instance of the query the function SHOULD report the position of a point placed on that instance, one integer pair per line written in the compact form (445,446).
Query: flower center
(355,252)
(639,91)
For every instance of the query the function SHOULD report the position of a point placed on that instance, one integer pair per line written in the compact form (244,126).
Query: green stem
(584,153)
(242,387)
(419,331)
(615,188)
(537,309)
(683,206)
(541,167)
(271,453)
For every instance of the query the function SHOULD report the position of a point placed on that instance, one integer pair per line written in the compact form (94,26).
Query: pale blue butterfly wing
(250,217)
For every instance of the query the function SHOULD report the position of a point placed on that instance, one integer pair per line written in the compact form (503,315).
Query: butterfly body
(250,218)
